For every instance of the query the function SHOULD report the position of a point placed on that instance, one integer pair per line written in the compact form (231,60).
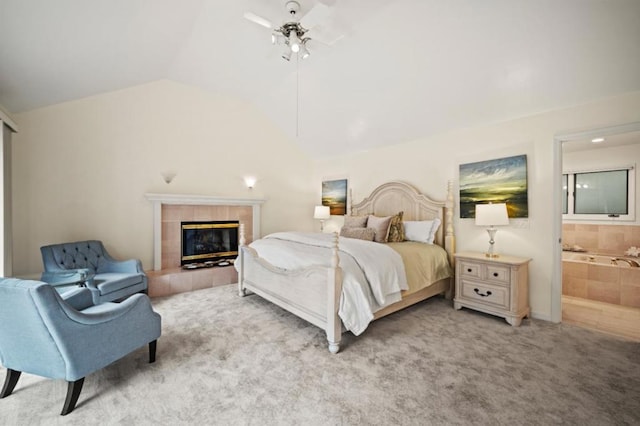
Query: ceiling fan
(293,32)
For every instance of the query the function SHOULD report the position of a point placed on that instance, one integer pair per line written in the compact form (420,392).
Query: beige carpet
(224,360)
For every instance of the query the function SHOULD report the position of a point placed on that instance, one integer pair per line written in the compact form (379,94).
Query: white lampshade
(321,212)
(491,214)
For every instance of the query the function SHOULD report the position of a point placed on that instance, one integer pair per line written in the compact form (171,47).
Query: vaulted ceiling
(403,69)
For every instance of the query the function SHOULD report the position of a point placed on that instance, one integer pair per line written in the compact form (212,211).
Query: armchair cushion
(79,298)
(108,282)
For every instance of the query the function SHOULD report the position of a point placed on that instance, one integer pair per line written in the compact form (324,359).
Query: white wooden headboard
(393,197)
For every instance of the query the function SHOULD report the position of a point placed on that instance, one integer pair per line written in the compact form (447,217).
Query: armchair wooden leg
(152,351)
(73,392)
(10,382)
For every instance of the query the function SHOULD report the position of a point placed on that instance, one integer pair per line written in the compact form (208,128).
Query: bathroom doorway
(598,269)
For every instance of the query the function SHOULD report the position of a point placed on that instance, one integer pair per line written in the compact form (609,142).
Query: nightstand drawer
(486,293)
(470,269)
(498,273)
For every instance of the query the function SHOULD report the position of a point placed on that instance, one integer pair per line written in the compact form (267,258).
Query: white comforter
(373,274)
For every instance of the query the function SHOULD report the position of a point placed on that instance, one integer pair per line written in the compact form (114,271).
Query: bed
(320,282)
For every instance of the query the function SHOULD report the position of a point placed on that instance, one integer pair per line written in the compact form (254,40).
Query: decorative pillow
(423,231)
(396,229)
(359,233)
(355,221)
(381,226)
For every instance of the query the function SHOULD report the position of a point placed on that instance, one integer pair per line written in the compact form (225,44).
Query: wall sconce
(250,181)
(168,176)
(491,215)
(322,213)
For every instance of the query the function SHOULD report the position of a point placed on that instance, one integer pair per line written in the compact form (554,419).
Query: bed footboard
(312,293)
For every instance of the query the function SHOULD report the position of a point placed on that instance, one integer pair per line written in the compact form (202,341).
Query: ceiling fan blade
(258,20)
(325,35)
(315,16)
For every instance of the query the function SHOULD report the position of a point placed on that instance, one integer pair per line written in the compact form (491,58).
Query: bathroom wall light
(597,140)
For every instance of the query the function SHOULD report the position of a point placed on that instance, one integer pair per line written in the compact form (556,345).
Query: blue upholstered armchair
(43,334)
(107,278)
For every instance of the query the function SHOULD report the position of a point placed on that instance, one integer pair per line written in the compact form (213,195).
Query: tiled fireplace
(169,212)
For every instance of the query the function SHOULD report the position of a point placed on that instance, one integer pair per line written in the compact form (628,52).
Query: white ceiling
(404,69)
(610,141)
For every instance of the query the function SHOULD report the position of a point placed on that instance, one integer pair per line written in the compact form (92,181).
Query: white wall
(603,158)
(429,162)
(81,168)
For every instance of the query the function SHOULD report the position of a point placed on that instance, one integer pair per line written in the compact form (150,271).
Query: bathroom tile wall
(601,239)
(603,283)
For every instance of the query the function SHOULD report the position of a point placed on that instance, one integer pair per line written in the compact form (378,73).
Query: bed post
(334,292)
(241,291)
(449,237)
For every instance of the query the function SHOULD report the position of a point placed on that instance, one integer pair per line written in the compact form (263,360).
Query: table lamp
(491,215)
(322,213)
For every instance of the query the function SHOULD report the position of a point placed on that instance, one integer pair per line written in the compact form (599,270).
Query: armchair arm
(79,298)
(66,277)
(131,265)
(108,312)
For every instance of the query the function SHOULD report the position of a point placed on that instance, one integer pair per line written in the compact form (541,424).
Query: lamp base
(492,233)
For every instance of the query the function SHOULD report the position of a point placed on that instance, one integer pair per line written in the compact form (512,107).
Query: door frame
(556,282)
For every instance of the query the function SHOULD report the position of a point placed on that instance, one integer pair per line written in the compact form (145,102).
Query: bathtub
(600,259)
(595,277)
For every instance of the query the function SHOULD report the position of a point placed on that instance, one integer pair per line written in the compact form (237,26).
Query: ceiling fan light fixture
(286,53)
(294,41)
(304,52)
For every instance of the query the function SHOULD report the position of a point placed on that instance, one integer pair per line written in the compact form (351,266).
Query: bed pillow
(396,229)
(360,233)
(381,226)
(355,221)
(423,231)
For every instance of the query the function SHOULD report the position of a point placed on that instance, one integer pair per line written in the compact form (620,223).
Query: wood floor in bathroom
(617,320)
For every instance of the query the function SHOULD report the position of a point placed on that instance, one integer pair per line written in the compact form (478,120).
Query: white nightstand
(498,286)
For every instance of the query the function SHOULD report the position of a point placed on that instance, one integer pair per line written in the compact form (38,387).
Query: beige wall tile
(575,269)
(603,239)
(170,212)
(580,227)
(181,282)
(576,287)
(604,273)
(611,239)
(603,291)
(587,240)
(201,278)
(630,295)
(159,285)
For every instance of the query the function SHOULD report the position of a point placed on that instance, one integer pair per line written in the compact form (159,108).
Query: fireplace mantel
(203,200)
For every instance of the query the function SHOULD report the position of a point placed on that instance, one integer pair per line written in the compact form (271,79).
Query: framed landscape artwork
(334,195)
(503,180)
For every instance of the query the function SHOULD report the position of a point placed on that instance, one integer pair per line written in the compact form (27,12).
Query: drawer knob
(488,293)
(468,269)
(495,274)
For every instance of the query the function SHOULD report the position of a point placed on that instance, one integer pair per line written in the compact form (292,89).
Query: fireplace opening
(209,243)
